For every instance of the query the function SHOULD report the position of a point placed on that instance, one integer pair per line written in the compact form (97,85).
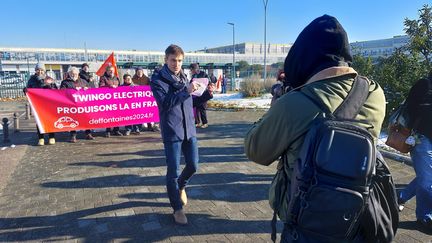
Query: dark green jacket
(280,129)
(284,126)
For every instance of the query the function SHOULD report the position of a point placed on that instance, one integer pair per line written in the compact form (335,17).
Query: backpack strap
(351,105)
(356,98)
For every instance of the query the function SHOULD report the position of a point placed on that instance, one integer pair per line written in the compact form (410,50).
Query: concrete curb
(396,156)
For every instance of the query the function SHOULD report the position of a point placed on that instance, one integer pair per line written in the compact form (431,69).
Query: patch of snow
(236,100)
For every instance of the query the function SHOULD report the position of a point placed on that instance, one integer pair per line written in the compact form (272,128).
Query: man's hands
(48,80)
(192,87)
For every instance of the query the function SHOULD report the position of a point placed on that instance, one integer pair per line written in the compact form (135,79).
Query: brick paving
(113,189)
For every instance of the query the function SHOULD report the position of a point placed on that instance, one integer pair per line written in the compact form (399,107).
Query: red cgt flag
(110,61)
(218,83)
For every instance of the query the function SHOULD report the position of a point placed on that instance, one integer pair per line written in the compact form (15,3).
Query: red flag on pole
(218,83)
(110,61)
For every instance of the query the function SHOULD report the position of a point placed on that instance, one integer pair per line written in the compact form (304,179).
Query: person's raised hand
(192,87)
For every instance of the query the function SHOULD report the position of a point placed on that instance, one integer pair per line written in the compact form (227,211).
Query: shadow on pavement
(142,227)
(154,158)
(413,225)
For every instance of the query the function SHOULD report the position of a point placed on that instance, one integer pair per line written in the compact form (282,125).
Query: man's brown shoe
(183,196)
(73,139)
(90,137)
(180,217)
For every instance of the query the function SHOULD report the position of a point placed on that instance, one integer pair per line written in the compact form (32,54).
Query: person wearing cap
(141,79)
(40,81)
(86,75)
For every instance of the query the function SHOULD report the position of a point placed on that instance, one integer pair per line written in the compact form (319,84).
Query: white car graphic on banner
(64,122)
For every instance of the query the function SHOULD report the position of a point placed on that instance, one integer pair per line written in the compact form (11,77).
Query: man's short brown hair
(194,66)
(174,50)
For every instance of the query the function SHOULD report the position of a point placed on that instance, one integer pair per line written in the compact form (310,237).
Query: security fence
(11,85)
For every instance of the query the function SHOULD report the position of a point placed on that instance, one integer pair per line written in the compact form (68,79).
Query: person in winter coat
(109,80)
(212,77)
(135,129)
(319,66)
(224,84)
(86,75)
(280,87)
(40,81)
(419,109)
(73,81)
(200,103)
(141,79)
(172,90)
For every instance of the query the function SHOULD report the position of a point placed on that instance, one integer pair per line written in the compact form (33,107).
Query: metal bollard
(27,111)
(16,122)
(5,130)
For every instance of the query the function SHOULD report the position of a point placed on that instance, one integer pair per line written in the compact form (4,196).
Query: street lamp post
(28,62)
(265,39)
(233,62)
(28,65)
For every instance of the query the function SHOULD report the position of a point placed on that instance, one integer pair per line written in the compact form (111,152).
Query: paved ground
(112,189)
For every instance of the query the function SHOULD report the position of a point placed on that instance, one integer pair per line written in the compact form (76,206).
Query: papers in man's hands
(201,84)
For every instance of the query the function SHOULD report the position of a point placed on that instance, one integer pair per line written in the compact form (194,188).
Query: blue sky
(192,24)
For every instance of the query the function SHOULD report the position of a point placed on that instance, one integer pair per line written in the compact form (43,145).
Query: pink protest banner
(70,109)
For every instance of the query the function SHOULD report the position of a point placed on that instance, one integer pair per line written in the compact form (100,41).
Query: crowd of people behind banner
(78,79)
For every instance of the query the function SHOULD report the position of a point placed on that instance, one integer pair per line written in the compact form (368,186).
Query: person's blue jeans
(421,185)
(174,180)
(223,89)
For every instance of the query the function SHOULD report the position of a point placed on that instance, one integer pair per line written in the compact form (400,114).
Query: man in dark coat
(86,75)
(172,90)
(212,77)
(73,81)
(200,103)
(109,80)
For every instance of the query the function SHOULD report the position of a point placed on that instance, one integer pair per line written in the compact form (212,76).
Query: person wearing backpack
(419,109)
(318,68)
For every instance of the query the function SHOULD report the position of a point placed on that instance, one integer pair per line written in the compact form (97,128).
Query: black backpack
(341,189)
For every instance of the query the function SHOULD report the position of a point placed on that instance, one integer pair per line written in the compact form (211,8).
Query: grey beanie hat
(39,66)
